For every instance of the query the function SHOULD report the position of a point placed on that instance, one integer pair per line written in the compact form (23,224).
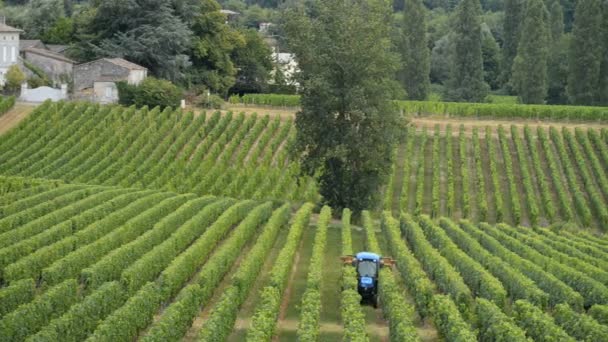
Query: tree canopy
(348,126)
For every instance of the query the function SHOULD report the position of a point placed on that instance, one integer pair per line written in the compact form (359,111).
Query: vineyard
(123,224)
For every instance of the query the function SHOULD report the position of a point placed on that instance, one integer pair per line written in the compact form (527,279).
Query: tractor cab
(368,268)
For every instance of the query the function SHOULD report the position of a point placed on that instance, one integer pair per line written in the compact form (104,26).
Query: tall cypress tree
(514,12)
(491,57)
(585,53)
(466,81)
(416,56)
(530,65)
(603,98)
(557,68)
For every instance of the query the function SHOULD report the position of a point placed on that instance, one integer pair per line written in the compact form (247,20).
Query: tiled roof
(25,43)
(125,64)
(49,54)
(6,28)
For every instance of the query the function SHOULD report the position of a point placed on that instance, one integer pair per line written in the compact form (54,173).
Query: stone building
(9,48)
(96,80)
(56,66)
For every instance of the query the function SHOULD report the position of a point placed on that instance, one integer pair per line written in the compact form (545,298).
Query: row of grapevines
(437,267)
(28,318)
(264,319)
(351,313)
(531,200)
(537,324)
(557,290)
(436,183)
(6,103)
(179,315)
(592,290)
(498,193)
(310,309)
(517,285)
(411,271)
(393,303)
(451,196)
(594,196)
(97,195)
(481,282)
(154,261)
(16,188)
(82,318)
(94,246)
(599,313)
(579,199)
(596,165)
(494,325)
(390,185)
(65,197)
(566,211)
(221,320)
(19,204)
(32,120)
(514,193)
(128,321)
(580,326)
(464,174)
(599,146)
(63,230)
(17,293)
(281,100)
(419,205)
(534,242)
(574,247)
(542,181)
(448,320)
(111,265)
(482,201)
(99,142)
(409,155)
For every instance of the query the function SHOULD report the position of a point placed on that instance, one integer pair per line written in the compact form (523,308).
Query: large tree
(585,53)
(466,81)
(348,125)
(557,64)
(415,52)
(491,57)
(514,13)
(530,66)
(603,100)
(147,32)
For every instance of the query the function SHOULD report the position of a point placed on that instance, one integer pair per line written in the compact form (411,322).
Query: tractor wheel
(375,301)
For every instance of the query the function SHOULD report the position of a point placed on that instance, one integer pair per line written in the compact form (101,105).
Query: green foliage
(585,54)
(579,326)
(60,33)
(530,64)
(125,323)
(517,285)
(347,128)
(83,317)
(264,319)
(436,266)
(491,58)
(415,53)
(15,294)
(275,100)
(31,317)
(466,82)
(411,271)
(219,325)
(538,325)
(151,92)
(599,313)
(494,325)
(6,104)
(448,320)
(14,78)
(310,313)
(514,17)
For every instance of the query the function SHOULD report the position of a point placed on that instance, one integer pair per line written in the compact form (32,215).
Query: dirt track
(14,116)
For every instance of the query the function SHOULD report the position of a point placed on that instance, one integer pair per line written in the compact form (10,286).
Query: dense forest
(542,51)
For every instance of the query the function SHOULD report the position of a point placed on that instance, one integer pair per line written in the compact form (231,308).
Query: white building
(288,65)
(9,48)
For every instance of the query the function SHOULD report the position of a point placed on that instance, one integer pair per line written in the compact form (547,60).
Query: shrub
(151,92)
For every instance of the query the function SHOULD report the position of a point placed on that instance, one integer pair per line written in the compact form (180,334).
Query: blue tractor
(368,269)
